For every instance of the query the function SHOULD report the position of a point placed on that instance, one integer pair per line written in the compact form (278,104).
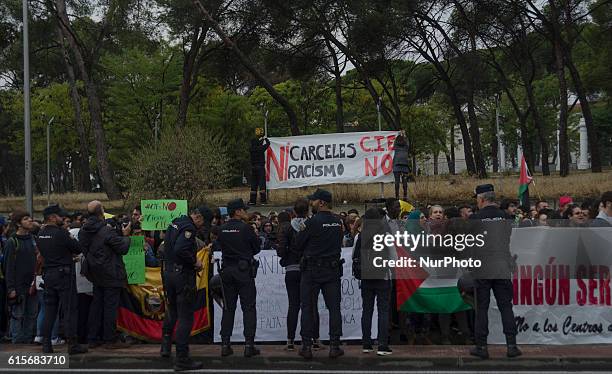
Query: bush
(185,164)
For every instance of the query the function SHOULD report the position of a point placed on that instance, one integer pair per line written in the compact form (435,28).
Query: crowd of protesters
(22,308)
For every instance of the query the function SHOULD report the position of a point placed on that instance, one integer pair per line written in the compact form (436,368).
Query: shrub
(185,164)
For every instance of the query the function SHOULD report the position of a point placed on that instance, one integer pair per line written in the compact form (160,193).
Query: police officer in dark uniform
(321,243)
(494,273)
(180,266)
(239,244)
(57,249)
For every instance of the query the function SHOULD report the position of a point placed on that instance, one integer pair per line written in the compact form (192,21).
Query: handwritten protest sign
(134,261)
(158,214)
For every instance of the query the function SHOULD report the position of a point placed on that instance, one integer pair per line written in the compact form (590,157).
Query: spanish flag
(142,306)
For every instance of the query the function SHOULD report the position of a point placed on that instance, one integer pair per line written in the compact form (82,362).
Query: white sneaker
(58,341)
(38,340)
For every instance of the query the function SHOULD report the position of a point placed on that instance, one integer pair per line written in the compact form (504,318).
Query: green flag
(134,261)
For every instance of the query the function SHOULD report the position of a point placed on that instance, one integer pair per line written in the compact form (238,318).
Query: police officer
(180,266)
(321,243)
(494,273)
(58,249)
(239,243)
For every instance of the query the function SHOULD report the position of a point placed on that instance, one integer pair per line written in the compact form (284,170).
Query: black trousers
(502,289)
(103,313)
(404,179)
(292,283)
(238,283)
(258,180)
(60,289)
(180,289)
(313,281)
(379,290)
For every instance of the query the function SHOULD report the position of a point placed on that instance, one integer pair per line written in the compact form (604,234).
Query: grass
(445,190)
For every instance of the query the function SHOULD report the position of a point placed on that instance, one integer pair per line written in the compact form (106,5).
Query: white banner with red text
(311,160)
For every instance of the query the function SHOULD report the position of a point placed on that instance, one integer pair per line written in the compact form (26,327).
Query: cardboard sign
(158,214)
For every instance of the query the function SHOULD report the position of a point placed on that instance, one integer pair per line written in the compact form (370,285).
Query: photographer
(19,268)
(103,248)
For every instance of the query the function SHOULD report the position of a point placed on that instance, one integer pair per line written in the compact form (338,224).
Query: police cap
(483,188)
(54,209)
(321,194)
(236,204)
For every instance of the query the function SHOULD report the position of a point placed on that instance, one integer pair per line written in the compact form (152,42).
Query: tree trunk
(494,152)
(475,135)
(293,121)
(451,159)
(106,171)
(586,114)
(563,112)
(337,89)
(84,183)
(537,122)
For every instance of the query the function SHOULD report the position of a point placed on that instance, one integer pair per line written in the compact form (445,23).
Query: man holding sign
(179,278)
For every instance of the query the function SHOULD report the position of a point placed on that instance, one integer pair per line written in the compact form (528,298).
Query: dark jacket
(286,243)
(238,241)
(104,249)
(57,247)
(322,236)
(496,226)
(258,148)
(400,157)
(20,263)
(180,246)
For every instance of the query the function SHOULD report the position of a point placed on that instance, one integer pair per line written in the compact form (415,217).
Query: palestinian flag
(421,290)
(524,180)
(142,306)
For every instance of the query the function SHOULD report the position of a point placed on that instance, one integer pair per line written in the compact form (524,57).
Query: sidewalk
(404,358)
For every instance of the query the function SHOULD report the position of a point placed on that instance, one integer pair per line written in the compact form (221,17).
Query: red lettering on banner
(604,285)
(379,139)
(538,289)
(526,284)
(369,168)
(386,165)
(362,145)
(391,142)
(280,167)
(564,285)
(581,294)
(592,285)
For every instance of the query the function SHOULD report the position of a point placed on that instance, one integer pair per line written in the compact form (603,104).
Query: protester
(290,260)
(20,268)
(466,211)
(401,165)
(103,248)
(349,231)
(575,215)
(541,204)
(375,284)
(258,169)
(268,236)
(604,217)
(509,206)
(563,202)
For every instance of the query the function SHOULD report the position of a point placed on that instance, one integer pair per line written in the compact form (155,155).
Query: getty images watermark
(411,242)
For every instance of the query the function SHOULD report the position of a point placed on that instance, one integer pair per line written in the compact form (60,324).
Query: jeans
(41,317)
(103,313)
(381,291)
(23,320)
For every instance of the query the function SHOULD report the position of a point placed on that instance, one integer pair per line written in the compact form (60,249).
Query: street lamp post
(49,160)
(26,112)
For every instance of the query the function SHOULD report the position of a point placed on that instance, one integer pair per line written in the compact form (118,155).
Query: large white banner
(562,291)
(272,304)
(310,160)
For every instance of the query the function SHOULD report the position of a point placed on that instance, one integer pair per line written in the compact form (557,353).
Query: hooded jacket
(104,249)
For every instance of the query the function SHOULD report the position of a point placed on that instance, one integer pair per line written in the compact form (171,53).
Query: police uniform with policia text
(180,266)
(494,275)
(321,270)
(239,243)
(57,249)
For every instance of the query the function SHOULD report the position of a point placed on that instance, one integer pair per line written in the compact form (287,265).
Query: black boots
(166,346)
(47,347)
(249,348)
(184,362)
(74,348)
(334,348)
(306,349)
(226,347)
(480,351)
(513,350)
